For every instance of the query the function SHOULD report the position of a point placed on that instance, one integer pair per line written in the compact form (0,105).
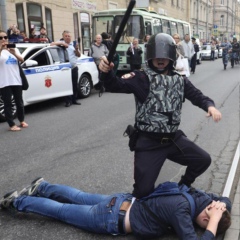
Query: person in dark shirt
(234,52)
(226,48)
(159,94)
(120,213)
(194,58)
(107,41)
(14,34)
(135,54)
(32,34)
(43,36)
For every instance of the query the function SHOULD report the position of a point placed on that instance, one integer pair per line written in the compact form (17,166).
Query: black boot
(184,181)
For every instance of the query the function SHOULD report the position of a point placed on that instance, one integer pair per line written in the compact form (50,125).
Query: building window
(178,3)
(49,28)
(20,17)
(222,20)
(222,2)
(75,26)
(201,13)
(173,2)
(85,31)
(194,9)
(34,12)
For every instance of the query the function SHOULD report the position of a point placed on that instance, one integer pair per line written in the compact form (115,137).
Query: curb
(233,233)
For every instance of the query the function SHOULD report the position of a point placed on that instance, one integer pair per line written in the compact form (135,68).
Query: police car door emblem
(48,81)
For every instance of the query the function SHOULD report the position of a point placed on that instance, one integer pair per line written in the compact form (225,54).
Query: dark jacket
(136,58)
(15,38)
(235,47)
(139,86)
(175,212)
(196,48)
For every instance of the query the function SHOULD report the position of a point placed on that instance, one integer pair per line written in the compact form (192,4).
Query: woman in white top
(11,82)
(177,39)
(180,67)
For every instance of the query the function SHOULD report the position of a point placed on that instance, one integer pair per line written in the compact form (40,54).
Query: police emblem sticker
(48,81)
(128,75)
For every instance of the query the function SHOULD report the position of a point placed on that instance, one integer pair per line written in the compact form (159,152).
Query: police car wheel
(84,86)
(2,112)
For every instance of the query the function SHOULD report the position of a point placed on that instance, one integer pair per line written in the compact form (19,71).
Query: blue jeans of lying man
(91,212)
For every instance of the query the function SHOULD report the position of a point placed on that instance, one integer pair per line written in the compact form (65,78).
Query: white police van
(50,78)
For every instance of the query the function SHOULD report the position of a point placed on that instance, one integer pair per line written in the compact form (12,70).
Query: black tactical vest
(161,111)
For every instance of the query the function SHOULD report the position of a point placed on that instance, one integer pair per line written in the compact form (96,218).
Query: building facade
(207,17)
(215,19)
(226,18)
(200,18)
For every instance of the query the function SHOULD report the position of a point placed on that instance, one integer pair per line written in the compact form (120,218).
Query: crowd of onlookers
(103,42)
(17,36)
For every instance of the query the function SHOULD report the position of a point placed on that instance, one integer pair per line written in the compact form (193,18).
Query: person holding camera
(14,35)
(11,82)
(135,55)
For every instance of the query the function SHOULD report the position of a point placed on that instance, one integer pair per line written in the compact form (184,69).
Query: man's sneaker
(7,200)
(31,190)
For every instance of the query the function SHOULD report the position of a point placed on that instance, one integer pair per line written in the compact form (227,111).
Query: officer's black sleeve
(135,82)
(196,97)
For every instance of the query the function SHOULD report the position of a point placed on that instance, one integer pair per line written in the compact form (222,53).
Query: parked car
(220,52)
(206,52)
(50,78)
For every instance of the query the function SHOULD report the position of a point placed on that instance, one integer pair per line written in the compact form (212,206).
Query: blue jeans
(92,212)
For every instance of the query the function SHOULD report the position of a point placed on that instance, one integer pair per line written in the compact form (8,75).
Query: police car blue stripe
(84,60)
(50,68)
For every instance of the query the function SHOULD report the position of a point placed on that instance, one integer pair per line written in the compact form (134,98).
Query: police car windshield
(206,47)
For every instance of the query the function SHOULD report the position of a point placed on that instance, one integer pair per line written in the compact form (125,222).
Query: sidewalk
(233,232)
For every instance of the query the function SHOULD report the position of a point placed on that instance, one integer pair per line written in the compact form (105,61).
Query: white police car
(206,52)
(49,78)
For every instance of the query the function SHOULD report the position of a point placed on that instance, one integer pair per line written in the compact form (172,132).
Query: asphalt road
(83,146)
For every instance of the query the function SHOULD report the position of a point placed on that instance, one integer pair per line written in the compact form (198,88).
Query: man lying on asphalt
(120,213)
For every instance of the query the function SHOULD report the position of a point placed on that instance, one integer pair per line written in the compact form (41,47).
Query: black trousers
(148,163)
(73,98)
(7,93)
(193,63)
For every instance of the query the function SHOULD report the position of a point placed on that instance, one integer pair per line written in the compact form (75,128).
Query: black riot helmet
(161,45)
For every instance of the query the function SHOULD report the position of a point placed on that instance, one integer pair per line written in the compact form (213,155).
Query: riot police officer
(226,46)
(159,94)
(234,51)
